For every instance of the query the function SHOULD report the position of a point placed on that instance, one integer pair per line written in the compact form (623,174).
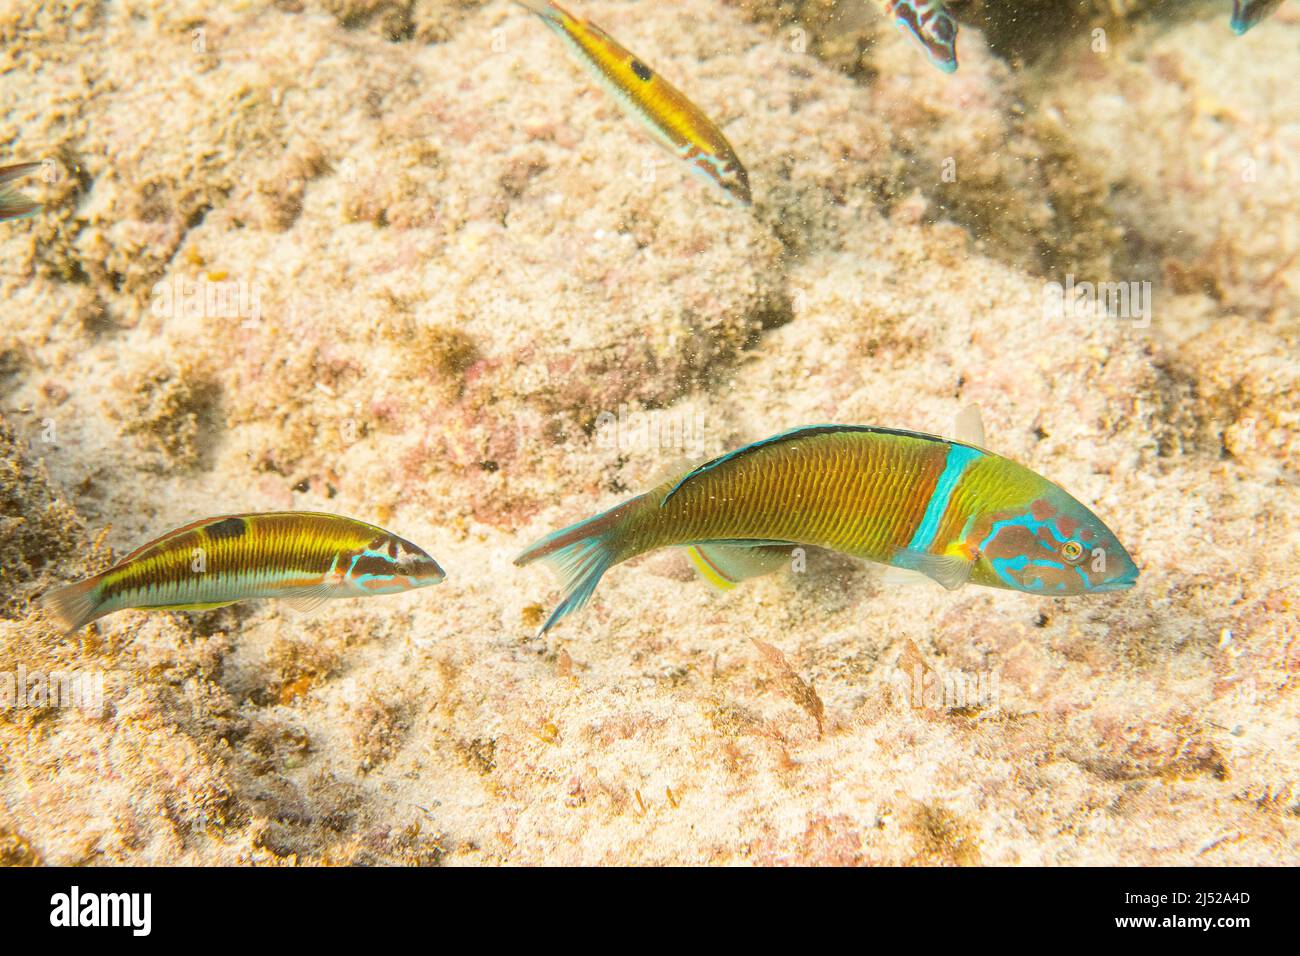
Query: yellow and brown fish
(673,121)
(302,557)
(950,510)
(13,204)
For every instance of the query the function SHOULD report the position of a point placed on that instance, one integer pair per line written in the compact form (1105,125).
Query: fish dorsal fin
(804,431)
(969,426)
(674,468)
(726,565)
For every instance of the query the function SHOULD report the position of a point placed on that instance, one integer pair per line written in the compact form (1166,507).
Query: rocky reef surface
(404,261)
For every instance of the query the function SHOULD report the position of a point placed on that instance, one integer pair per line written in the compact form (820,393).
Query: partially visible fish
(950,510)
(930,24)
(302,557)
(1247,13)
(673,121)
(13,204)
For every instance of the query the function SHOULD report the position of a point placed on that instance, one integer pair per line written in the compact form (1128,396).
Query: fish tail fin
(580,554)
(72,606)
(13,204)
(550,12)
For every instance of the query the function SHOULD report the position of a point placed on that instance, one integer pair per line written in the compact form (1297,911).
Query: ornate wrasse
(303,557)
(13,204)
(930,24)
(948,509)
(1247,13)
(673,121)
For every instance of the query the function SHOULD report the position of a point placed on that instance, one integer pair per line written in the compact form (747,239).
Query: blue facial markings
(369,555)
(1003,566)
(959,458)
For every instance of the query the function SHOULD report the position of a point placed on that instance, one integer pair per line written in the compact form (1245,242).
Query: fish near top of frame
(672,120)
(930,24)
(1247,13)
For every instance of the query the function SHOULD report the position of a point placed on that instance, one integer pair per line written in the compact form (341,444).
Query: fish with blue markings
(13,204)
(948,509)
(929,23)
(1247,13)
(302,557)
(673,121)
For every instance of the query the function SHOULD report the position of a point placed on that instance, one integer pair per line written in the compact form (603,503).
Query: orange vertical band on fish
(675,122)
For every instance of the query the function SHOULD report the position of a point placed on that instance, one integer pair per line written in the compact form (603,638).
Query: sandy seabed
(473,304)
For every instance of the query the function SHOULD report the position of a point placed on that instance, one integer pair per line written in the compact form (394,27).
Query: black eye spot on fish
(642,71)
(227,528)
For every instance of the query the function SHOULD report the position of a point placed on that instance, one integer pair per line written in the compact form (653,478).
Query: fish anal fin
(211,606)
(726,565)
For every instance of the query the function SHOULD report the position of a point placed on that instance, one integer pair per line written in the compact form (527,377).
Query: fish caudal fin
(726,565)
(580,554)
(13,204)
(544,9)
(72,606)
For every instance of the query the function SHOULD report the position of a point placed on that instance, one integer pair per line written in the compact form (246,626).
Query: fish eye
(1072,550)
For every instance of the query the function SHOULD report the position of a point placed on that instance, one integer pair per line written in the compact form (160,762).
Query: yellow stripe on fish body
(951,510)
(302,557)
(675,122)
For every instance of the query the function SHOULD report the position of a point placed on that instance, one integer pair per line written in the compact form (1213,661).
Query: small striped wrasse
(930,24)
(673,121)
(950,510)
(1247,13)
(13,204)
(302,557)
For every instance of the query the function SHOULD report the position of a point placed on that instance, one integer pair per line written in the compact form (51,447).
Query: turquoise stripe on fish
(959,459)
(1003,566)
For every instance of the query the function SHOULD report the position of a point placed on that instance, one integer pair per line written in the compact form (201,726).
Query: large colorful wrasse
(302,557)
(13,204)
(672,120)
(947,509)
(1247,13)
(930,24)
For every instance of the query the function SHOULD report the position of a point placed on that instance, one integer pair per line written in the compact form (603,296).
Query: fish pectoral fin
(969,426)
(726,565)
(949,570)
(902,577)
(308,599)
